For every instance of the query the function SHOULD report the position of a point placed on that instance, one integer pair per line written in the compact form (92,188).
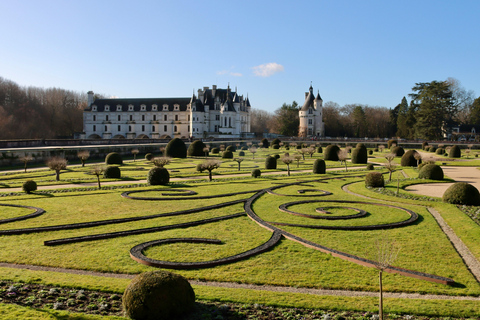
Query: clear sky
(368,52)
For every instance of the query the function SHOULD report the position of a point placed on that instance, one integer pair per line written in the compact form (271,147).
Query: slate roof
(137,102)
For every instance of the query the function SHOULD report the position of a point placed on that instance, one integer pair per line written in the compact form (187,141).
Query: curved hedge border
(38,212)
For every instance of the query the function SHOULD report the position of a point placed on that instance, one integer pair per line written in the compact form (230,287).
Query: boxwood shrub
(374,180)
(113,158)
(331,152)
(319,167)
(455,152)
(176,149)
(270,163)
(431,171)
(462,193)
(158,176)
(112,172)
(195,149)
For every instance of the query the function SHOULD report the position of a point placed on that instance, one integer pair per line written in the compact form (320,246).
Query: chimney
(90,98)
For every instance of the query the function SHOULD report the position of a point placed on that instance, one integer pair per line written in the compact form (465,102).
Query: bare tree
(383,254)
(342,157)
(98,171)
(161,161)
(417,157)
(57,164)
(209,165)
(381,147)
(311,151)
(135,152)
(206,150)
(162,150)
(83,156)
(302,152)
(287,160)
(297,158)
(239,160)
(390,166)
(26,159)
(253,150)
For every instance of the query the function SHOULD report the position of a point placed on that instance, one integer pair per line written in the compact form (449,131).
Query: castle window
(94,118)
(131,117)
(217,117)
(216,128)
(310,121)
(94,108)
(107,108)
(153,128)
(229,122)
(119,127)
(130,107)
(194,109)
(164,117)
(165,128)
(176,117)
(310,111)
(119,107)
(154,107)
(154,117)
(143,127)
(165,107)
(130,128)
(94,128)
(143,117)
(174,128)
(188,128)
(143,107)
(176,107)
(119,117)
(188,118)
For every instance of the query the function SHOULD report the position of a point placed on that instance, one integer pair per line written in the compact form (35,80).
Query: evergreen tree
(359,122)
(402,128)
(475,112)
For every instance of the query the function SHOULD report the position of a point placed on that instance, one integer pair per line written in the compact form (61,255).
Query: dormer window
(107,107)
(165,107)
(130,107)
(94,108)
(176,107)
(119,107)
(194,109)
(154,107)
(310,111)
(143,107)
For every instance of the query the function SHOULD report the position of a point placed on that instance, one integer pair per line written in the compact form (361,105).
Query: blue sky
(368,52)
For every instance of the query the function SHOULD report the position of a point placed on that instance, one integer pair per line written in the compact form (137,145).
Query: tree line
(435,107)
(39,113)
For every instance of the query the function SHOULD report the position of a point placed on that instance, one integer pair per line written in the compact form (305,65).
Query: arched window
(119,117)
(174,128)
(229,121)
(310,111)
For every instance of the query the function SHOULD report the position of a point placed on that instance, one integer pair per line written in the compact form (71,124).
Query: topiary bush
(231,148)
(275,146)
(158,295)
(227,154)
(319,167)
(424,145)
(158,176)
(113,158)
(361,145)
(462,193)
(112,172)
(319,150)
(277,156)
(270,163)
(241,154)
(455,152)
(29,186)
(276,141)
(370,166)
(440,151)
(431,171)
(176,148)
(149,157)
(398,151)
(374,180)
(359,155)
(391,142)
(195,149)
(331,152)
(432,149)
(256,173)
(408,159)
(215,150)
(370,152)
(265,143)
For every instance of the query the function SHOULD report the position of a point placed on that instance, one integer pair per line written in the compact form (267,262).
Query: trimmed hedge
(158,295)
(424,145)
(370,166)
(319,150)
(227,154)
(231,148)
(215,150)
(149,157)
(462,193)
(359,155)
(391,142)
(431,171)
(455,152)
(241,154)
(331,152)
(195,149)
(256,173)
(270,163)
(112,172)
(374,180)
(275,146)
(176,148)
(440,151)
(265,143)
(29,186)
(276,141)
(319,167)
(113,158)
(398,151)
(408,159)
(158,176)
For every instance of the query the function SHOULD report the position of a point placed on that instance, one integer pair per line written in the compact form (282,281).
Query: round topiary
(158,295)
(391,142)
(231,148)
(462,193)
(256,173)
(374,180)
(275,146)
(112,172)
(431,171)
(319,150)
(227,154)
(360,145)
(359,155)
(319,167)
(215,150)
(370,152)
(29,186)
(440,151)
(265,143)
(195,149)
(113,158)
(408,159)
(241,154)
(331,152)
(370,166)
(149,157)
(158,176)
(432,149)
(424,145)
(276,141)
(176,149)
(455,152)
(398,151)
(270,163)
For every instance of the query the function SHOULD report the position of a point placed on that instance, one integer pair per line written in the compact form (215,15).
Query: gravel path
(321,292)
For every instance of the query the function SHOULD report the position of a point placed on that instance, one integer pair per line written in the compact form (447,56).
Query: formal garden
(261,230)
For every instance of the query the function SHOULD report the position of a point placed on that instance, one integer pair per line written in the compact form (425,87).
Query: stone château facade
(218,113)
(311,118)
